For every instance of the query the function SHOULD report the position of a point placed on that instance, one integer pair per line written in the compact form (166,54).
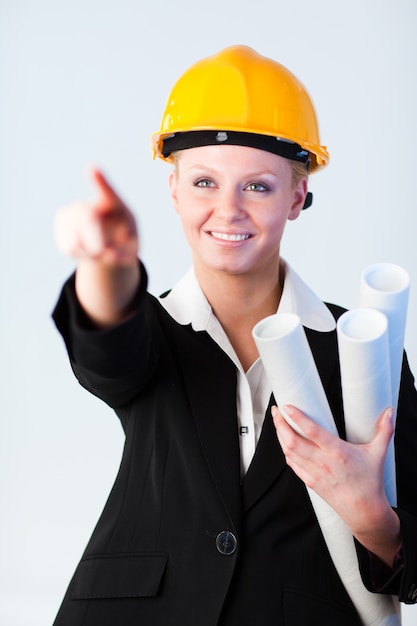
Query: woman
(209,521)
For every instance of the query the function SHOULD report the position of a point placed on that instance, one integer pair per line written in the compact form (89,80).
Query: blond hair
(299,171)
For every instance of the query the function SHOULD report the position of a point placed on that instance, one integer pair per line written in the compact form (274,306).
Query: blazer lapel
(326,356)
(210,381)
(267,463)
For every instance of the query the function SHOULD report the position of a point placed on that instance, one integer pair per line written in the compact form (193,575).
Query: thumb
(385,427)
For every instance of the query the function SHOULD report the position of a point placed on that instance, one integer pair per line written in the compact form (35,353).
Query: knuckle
(311,430)
(291,443)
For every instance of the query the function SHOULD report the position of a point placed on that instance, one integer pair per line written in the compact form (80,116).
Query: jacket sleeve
(403,580)
(114,364)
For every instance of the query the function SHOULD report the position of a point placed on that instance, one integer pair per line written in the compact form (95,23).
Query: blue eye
(257,187)
(204,182)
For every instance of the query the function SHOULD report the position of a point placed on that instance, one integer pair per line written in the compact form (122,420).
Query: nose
(230,205)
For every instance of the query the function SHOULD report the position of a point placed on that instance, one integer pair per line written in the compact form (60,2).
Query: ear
(173,188)
(300,193)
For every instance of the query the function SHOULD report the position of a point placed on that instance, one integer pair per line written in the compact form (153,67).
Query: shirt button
(226,542)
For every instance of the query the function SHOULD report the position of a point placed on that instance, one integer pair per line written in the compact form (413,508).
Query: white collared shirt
(187,304)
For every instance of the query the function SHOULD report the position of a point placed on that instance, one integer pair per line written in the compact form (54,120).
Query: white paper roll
(290,367)
(385,287)
(366,380)
(374,609)
(365,370)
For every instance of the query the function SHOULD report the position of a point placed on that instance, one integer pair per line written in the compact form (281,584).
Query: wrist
(381,535)
(106,292)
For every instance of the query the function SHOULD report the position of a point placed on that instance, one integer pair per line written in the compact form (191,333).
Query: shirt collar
(187,304)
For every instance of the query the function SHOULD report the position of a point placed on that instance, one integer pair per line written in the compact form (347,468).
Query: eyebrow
(210,170)
(202,167)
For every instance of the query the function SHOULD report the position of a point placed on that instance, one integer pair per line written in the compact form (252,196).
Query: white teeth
(227,237)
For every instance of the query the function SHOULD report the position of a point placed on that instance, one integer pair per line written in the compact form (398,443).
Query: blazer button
(226,542)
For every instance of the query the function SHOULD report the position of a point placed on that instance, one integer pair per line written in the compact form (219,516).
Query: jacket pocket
(136,575)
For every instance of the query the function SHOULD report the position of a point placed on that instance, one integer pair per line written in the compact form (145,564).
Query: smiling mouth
(229,237)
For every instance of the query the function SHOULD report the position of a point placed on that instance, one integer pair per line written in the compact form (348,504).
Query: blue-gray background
(85,81)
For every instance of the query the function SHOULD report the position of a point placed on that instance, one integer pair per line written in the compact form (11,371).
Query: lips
(230,236)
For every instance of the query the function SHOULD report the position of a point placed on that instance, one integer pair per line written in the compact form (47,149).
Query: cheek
(191,220)
(279,213)
(275,225)
(193,213)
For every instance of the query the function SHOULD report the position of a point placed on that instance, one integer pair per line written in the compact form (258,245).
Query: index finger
(105,190)
(311,428)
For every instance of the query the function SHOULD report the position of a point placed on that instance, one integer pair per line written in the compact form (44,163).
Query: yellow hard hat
(238,96)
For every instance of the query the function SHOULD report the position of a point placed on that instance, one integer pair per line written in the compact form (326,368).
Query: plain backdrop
(85,81)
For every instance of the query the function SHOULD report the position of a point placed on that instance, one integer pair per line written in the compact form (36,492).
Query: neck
(239,302)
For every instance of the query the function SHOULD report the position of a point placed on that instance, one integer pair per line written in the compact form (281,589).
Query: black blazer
(182,540)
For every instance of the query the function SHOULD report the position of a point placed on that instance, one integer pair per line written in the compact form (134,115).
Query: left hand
(350,477)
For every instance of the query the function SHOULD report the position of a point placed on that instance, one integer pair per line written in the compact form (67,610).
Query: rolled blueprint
(385,287)
(290,367)
(366,380)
